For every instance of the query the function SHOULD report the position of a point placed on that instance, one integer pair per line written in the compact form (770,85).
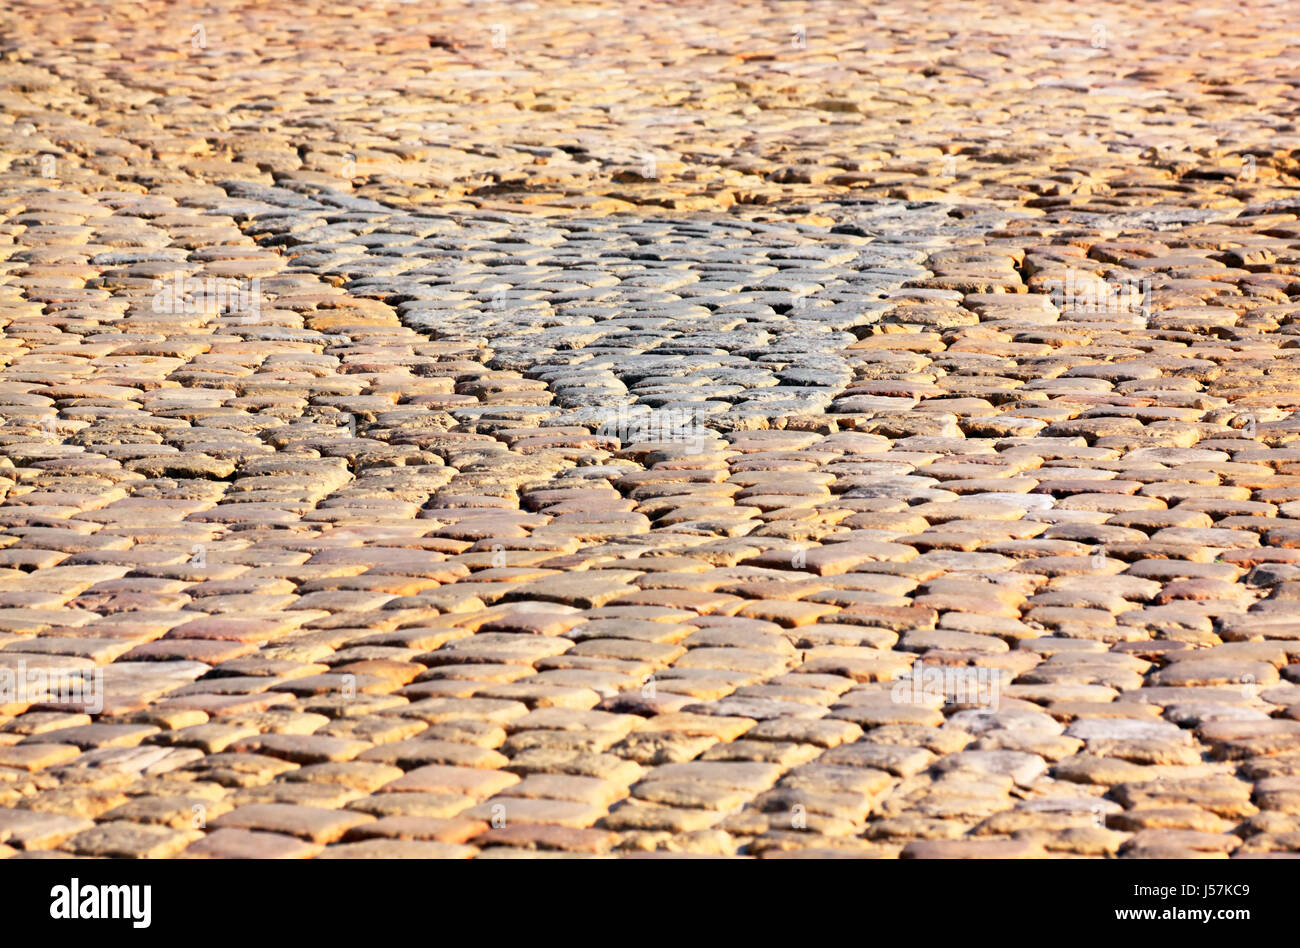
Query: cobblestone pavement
(770,429)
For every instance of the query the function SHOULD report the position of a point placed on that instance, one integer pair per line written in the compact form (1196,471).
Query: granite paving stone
(604,429)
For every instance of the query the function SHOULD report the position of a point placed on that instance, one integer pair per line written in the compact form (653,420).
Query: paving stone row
(791,501)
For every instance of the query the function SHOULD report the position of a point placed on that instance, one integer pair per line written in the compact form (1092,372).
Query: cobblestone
(599,429)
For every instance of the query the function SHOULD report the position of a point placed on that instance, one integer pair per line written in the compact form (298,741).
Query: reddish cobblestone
(612,429)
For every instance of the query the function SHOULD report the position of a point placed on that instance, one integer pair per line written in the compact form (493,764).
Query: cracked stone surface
(606,429)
